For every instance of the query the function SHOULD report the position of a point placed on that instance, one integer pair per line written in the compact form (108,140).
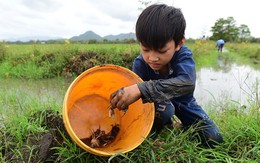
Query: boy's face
(159,59)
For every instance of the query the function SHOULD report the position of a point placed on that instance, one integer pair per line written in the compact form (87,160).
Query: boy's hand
(125,96)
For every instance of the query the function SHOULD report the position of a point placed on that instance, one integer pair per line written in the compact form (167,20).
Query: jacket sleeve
(163,89)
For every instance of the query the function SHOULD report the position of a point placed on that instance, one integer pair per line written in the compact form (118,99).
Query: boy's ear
(180,44)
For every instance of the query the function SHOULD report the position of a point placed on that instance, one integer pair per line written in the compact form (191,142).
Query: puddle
(237,84)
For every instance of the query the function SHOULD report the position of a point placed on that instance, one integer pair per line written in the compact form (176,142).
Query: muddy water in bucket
(85,111)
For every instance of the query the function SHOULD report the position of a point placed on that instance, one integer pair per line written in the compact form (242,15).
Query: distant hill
(90,35)
(121,36)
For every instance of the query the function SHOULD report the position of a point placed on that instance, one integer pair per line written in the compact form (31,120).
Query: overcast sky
(67,18)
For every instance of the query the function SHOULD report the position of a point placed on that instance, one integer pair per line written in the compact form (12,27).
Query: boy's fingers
(119,92)
(113,94)
(116,97)
(114,102)
(121,105)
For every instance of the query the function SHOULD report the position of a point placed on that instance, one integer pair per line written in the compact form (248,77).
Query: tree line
(227,30)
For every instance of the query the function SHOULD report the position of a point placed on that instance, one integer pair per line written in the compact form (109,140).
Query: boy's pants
(208,131)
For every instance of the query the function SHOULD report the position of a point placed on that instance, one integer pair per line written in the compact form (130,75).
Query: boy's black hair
(159,24)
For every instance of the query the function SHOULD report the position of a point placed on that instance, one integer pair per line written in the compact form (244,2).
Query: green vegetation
(38,61)
(248,53)
(226,29)
(27,120)
(206,55)
(46,61)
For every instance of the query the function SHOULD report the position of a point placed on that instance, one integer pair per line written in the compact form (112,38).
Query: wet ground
(42,143)
(235,79)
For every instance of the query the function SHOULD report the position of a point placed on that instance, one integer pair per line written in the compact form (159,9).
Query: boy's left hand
(125,96)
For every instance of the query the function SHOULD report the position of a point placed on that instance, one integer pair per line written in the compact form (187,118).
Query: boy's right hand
(125,96)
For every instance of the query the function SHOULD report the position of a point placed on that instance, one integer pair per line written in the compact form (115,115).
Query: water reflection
(238,83)
(45,90)
(235,82)
(224,63)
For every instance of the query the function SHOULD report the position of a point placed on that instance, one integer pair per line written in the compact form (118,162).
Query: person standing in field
(167,68)
(220,45)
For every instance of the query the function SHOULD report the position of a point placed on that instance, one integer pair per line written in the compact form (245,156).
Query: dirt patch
(38,146)
(80,63)
(55,136)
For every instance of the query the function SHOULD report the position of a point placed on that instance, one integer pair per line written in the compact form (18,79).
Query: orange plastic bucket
(85,109)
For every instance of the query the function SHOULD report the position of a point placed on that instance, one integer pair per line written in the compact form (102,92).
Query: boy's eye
(162,51)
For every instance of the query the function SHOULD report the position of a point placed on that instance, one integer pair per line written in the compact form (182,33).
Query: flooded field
(26,91)
(238,83)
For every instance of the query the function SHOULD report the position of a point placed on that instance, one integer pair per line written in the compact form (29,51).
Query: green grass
(38,61)
(19,124)
(206,55)
(245,53)
(239,126)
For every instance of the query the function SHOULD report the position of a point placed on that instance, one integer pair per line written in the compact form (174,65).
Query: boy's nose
(153,57)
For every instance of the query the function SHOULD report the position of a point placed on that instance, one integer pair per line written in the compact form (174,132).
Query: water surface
(236,83)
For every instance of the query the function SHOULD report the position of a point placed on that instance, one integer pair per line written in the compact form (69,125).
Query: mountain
(121,36)
(89,35)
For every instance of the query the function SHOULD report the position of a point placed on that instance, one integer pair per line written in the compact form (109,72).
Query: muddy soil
(39,146)
(83,61)
(80,63)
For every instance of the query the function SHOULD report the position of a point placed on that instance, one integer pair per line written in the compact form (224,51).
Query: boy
(166,65)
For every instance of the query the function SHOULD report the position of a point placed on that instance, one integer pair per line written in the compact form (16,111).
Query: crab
(111,112)
(99,138)
(95,138)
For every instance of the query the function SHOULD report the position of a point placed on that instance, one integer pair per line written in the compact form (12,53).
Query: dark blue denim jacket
(179,84)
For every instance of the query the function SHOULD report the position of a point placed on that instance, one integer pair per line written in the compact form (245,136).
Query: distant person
(220,45)
(167,68)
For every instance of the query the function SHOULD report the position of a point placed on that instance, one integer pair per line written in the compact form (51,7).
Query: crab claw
(124,111)
(111,112)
